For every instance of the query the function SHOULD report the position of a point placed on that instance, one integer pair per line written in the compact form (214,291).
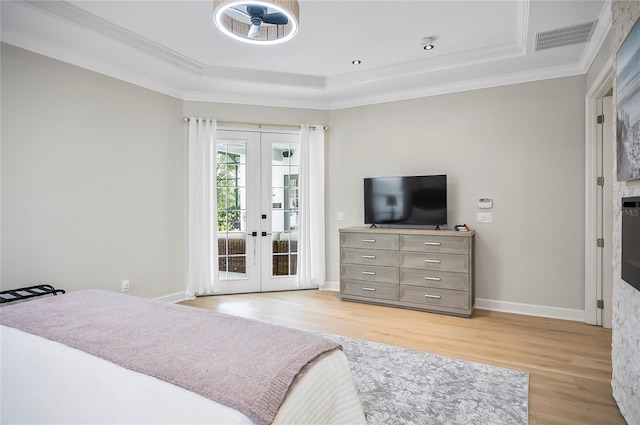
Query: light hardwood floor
(569,362)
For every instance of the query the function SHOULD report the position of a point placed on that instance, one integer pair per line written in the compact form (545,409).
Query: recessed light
(356,61)
(427,43)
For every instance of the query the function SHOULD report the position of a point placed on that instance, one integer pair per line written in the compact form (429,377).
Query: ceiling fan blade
(254,31)
(255,10)
(275,19)
(238,15)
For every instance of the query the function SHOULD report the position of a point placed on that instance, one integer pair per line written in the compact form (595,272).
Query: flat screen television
(406,200)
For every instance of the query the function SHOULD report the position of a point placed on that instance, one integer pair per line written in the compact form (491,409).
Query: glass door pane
(281,157)
(284,226)
(238,192)
(231,179)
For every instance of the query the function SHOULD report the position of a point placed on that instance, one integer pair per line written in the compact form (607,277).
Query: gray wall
(522,145)
(94,177)
(93,180)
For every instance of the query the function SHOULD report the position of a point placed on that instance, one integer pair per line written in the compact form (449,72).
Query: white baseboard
(174,298)
(530,309)
(508,307)
(331,286)
(481,303)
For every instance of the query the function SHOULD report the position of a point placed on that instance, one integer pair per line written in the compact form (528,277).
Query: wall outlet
(125,285)
(341,216)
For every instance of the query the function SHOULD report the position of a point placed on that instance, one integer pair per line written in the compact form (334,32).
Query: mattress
(46,382)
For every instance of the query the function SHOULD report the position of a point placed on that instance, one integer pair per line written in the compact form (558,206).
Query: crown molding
(597,38)
(80,17)
(471,57)
(523,33)
(301,91)
(239,99)
(265,77)
(427,66)
(84,62)
(476,84)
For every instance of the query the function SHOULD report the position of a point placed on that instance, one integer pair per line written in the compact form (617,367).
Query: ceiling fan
(256,15)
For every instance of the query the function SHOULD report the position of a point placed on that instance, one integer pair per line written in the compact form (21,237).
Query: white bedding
(46,382)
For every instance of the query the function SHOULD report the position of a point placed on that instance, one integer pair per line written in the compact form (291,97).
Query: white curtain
(311,256)
(202,270)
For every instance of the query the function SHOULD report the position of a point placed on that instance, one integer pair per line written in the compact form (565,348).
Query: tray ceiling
(175,48)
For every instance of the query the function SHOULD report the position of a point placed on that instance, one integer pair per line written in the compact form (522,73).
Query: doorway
(604,212)
(599,145)
(257,210)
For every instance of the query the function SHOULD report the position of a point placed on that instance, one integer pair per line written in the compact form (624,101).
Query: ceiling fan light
(226,19)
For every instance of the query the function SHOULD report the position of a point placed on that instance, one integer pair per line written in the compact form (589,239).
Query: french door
(257,210)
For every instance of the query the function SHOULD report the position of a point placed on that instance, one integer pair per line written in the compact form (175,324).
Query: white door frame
(259,212)
(602,84)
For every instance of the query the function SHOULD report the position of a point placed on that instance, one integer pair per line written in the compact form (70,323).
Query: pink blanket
(244,364)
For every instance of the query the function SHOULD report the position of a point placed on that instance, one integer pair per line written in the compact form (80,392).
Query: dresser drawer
(431,261)
(438,244)
(435,297)
(370,256)
(434,279)
(386,291)
(369,273)
(369,241)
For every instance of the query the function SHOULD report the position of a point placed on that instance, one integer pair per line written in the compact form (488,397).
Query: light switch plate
(483,217)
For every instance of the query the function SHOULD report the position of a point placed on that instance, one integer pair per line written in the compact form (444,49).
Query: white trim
(175,298)
(530,309)
(599,88)
(307,91)
(597,38)
(331,286)
(507,307)
(95,23)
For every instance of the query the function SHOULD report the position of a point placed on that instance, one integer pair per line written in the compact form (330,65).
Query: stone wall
(626,299)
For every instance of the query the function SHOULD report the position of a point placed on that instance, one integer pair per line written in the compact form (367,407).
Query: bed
(102,357)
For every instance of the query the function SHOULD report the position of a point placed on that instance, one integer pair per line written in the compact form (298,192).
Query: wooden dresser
(429,270)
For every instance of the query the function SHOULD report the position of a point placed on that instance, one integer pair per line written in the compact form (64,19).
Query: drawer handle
(369,273)
(369,240)
(432,261)
(437,297)
(368,289)
(432,278)
(433,243)
(369,257)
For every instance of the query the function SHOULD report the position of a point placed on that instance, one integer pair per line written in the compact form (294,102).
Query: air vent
(565,36)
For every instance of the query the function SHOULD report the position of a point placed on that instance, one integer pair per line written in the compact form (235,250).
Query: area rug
(399,386)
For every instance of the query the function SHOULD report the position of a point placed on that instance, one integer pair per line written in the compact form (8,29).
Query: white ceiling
(175,48)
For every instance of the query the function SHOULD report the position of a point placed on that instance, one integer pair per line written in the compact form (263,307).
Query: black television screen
(411,200)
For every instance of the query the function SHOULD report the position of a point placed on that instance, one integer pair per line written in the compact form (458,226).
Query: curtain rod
(259,124)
